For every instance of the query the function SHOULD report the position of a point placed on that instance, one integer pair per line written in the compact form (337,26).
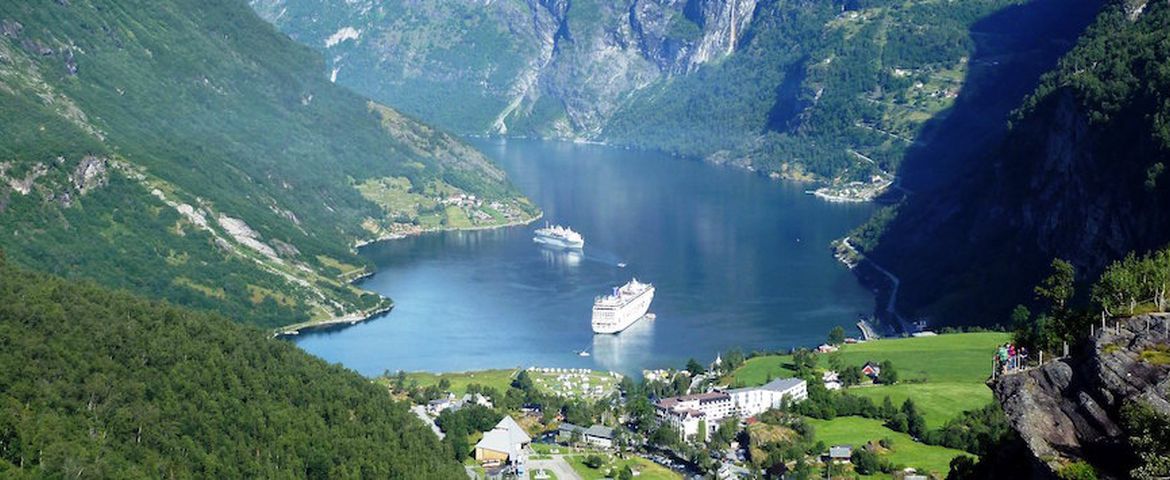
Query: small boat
(583,353)
(621,265)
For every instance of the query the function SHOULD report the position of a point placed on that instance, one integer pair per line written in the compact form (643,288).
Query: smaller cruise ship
(558,236)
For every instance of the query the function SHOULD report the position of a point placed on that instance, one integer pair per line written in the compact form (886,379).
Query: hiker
(1001,358)
(1013,360)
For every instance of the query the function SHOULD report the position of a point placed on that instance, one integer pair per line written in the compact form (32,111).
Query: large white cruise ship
(559,236)
(613,313)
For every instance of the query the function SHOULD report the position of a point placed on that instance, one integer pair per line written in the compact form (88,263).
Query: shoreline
(342,321)
(367,315)
(398,236)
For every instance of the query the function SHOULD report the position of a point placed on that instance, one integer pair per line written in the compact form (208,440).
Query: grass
(1157,355)
(856,431)
(650,470)
(499,379)
(938,402)
(944,374)
(757,370)
(954,358)
(572,384)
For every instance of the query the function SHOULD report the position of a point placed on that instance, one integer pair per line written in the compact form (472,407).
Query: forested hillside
(1080,176)
(803,89)
(187,150)
(103,384)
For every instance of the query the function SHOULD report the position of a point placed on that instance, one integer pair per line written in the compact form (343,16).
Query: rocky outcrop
(1068,410)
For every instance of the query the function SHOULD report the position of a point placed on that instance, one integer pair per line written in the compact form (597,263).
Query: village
(731,418)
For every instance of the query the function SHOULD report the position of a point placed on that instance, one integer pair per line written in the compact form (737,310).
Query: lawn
(575,383)
(650,470)
(499,379)
(947,371)
(960,357)
(938,402)
(757,370)
(856,431)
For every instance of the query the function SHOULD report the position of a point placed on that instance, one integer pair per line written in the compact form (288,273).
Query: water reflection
(633,346)
(560,258)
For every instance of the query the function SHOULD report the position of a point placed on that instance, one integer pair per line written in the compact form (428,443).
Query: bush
(1077,471)
(593,461)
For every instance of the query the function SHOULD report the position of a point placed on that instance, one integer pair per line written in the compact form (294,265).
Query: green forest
(97,383)
(203,106)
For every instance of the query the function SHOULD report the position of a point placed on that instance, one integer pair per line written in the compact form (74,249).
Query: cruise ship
(558,236)
(628,303)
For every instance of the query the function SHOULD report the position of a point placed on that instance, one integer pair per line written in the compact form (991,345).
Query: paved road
(557,465)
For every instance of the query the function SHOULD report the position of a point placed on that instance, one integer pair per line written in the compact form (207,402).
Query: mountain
(1079,175)
(799,89)
(188,150)
(102,384)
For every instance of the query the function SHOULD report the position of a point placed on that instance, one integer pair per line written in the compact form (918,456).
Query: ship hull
(558,242)
(614,320)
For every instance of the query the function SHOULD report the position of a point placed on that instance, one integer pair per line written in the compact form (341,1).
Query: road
(557,465)
(892,305)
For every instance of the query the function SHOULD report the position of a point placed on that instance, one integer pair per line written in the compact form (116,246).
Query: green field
(960,357)
(757,370)
(944,374)
(590,384)
(498,379)
(649,470)
(938,402)
(856,431)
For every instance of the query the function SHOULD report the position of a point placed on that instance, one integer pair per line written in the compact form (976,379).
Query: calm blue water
(738,260)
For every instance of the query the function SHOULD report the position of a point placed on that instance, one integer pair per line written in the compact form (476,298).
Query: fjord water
(738,260)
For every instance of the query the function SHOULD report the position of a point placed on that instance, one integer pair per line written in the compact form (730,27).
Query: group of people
(1008,357)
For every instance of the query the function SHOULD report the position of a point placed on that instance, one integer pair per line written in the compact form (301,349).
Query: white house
(597,435)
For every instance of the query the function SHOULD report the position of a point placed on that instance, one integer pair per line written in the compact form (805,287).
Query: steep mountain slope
(100,384)
(188,150)
(1079,176)
(833,90)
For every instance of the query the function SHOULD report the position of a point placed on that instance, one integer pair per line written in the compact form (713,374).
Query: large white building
(685,413)
(750,402)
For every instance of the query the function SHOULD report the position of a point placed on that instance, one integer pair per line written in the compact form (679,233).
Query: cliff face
(553,66)
(1068,410)
(1078,176)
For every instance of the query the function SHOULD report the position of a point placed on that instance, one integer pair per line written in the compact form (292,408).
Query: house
(436,406)
(840,453)
(597,435)
(826,348)
(831,380)
(871,370)
(506,443)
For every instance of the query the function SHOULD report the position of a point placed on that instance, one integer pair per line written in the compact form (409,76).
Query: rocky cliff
(1069,410)
(558,67)
(802,89)
(1079,176)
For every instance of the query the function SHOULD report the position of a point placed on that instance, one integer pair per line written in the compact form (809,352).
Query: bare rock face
(1068,410)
